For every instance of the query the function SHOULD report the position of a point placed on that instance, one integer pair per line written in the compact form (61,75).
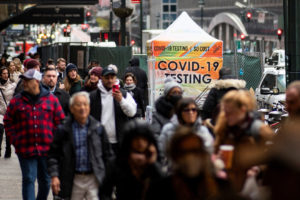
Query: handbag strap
(3,97)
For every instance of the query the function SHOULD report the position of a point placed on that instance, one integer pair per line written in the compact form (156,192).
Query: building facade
(226,20)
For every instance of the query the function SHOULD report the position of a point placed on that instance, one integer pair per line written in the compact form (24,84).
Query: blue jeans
(33,168)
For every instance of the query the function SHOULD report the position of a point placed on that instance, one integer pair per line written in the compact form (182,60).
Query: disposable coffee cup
(227,155)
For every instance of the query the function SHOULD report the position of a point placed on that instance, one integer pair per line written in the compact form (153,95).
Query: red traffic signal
(242,36)
(249,16)
(88,14)
(67,31)
(132,42)
(279,33)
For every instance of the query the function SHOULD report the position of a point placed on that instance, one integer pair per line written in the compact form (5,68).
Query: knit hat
(96,71)
(26,61)
(32,64)
(170,83)
(70,67)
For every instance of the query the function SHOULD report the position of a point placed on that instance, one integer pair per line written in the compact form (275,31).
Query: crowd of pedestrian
(87,137)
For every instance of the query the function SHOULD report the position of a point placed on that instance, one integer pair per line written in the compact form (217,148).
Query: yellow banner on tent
(185,49)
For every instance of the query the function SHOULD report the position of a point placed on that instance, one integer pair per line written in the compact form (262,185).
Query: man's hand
(117,94)
(55,185)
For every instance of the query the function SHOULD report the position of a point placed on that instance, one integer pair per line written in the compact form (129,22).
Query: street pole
(141,25)
(202,16)
(110,20)
(123,25)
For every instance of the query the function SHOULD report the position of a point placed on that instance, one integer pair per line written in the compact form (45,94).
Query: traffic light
(248,16)
(132,42)
(88,15)
(67,31)
(279,33)
(242,36)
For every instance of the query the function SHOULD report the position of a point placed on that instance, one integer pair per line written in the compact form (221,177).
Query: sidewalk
(11,178)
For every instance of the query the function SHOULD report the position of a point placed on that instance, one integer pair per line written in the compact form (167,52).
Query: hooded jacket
(220,88)
(169,129)
(114,114)
(162,115)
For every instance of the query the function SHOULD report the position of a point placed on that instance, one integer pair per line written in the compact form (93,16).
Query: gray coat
(169,129)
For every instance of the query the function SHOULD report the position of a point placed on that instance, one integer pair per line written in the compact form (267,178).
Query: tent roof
(184,29)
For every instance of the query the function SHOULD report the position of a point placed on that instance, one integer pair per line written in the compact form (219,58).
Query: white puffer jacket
(8,90)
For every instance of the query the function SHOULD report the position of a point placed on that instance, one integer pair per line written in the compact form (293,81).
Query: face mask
(173,99)
(190,166)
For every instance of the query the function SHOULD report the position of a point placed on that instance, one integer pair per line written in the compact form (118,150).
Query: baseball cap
(32,74)
(108,70)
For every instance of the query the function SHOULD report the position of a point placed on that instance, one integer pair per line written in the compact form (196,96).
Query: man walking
(29,122)
(78,153)
(50,80)
(112,106)
(61,68)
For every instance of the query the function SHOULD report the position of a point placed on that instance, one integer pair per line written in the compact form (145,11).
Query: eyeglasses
(189,110)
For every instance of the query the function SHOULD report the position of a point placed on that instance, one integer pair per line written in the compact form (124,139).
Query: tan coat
(8,90)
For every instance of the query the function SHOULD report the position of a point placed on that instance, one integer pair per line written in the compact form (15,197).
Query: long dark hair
(182,104)
(2,69)
(135,129)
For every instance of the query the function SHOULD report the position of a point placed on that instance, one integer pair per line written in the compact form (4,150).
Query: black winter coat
(128,187)
(141,77)
(61,156)
(138,97)
(63,98)
(211,105)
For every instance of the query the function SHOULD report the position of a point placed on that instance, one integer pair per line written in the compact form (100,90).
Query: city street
(10,177)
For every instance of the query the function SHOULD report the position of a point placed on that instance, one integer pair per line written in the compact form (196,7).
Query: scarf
(129,88)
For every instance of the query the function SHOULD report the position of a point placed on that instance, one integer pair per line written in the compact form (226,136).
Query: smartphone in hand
(115,87)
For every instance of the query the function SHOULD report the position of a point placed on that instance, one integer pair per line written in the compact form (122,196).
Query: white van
(271,89)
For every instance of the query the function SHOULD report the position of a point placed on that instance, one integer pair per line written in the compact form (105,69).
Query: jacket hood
(103,89)
(134,62)
(163,107)
(229,83)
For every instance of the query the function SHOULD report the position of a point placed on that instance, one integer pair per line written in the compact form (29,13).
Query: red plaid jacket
(30,126)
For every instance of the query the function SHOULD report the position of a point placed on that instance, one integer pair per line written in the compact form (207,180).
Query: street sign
(261,17)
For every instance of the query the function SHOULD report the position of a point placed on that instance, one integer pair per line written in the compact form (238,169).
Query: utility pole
(110,20)
(201,5)
(141,25)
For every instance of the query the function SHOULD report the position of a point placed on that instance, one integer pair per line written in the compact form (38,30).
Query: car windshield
(274,81)
(281,84)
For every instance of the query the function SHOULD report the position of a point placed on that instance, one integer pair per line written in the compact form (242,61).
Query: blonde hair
(238,98)
(18,65)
